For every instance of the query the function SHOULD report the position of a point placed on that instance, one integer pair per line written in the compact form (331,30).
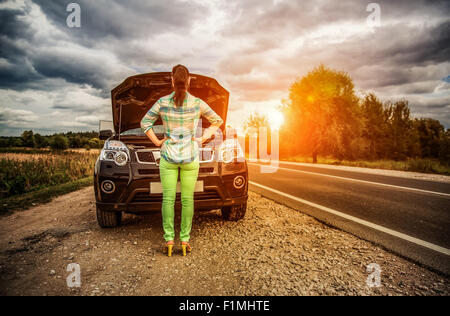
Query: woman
(180,112)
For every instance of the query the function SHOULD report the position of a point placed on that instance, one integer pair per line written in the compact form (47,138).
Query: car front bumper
(132,187)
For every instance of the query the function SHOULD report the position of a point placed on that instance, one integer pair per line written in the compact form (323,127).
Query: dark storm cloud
(395,57)
(400,40)
(125,20)
(288,18)
(389,56)
(11,26)
(263,24)
(54,65)
(430,44)
(103,22)
(14,70)
(18,76)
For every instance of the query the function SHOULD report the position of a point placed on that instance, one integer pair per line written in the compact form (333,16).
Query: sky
(54,78)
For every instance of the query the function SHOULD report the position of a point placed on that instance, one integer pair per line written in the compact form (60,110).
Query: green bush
(59,143)
(17,185)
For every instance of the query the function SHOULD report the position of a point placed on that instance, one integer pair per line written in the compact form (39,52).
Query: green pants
(169,178)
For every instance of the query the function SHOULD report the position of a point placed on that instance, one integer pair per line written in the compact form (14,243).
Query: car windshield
(158,129)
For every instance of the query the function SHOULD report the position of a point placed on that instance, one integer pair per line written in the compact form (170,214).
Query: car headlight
(230,150)
(120,158)
(115,151)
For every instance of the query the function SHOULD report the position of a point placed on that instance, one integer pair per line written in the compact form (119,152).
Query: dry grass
(26,172)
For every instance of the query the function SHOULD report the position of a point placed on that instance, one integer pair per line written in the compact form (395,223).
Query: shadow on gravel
(44,241)
(155,219)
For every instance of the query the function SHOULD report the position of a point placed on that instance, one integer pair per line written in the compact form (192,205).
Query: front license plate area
(156,187)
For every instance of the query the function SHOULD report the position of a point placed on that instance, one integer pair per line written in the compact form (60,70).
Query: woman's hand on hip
(162,141)
(198,139)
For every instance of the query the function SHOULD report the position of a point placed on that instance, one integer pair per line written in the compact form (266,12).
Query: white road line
(383,229)
(357,180)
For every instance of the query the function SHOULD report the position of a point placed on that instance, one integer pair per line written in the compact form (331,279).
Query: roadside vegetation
(30,176)
(412,164)
(60,141)
(326,120)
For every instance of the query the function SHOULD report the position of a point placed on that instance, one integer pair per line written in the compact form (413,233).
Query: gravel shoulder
(275,250)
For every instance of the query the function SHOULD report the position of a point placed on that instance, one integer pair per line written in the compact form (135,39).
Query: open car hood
(153,86)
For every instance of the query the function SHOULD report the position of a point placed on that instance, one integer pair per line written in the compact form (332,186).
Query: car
(126,173)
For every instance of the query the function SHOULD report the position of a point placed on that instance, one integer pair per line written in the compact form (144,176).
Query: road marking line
(383,229)
(357,180)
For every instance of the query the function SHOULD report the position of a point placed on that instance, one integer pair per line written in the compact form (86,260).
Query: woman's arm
(155,140)
(208,133)
(147,124)
(215,120)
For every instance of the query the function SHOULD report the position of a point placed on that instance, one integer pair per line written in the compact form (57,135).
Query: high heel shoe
(169,248)
(185,247)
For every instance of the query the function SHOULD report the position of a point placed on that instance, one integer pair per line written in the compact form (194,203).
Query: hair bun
(180,72)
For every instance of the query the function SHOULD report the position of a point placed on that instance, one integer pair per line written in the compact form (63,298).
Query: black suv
(126,175)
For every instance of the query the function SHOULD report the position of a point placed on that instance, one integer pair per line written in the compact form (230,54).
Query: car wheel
(108,219)
(234,212)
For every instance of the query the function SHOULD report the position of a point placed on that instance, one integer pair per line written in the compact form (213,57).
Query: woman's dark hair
(174,69)
(180,76)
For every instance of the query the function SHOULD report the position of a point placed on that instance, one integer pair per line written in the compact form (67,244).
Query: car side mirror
(105,134)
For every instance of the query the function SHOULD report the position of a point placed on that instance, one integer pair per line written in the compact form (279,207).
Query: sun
(276,119)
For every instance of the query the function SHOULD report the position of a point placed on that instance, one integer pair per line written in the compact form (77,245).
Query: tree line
(57,141)
(324,116)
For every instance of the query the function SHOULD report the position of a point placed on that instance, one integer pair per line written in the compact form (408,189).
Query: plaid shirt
(180,125)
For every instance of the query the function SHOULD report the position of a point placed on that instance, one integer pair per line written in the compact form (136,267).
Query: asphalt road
(410,217)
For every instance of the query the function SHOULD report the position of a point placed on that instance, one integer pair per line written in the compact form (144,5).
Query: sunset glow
(276,119)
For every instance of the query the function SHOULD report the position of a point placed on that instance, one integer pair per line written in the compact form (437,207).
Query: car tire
(234,212)
(108,219)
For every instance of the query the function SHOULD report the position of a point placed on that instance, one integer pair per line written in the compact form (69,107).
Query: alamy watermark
(74,278)
(74,18)
(374,18)
(374,278)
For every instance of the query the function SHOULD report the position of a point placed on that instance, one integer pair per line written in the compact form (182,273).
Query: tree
(322,115)
(84,141)
(430,133)
(403,139)
(15,142)
(59,142)
(75,141)
(444,148)
(4,142)
(41,141)
(28,139)
(375,126)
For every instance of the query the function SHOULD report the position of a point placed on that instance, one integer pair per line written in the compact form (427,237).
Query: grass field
(34,176)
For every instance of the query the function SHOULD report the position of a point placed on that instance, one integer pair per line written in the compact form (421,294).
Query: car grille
(156,171)
(141,197)
(147,156)
(206,154)
(148,171)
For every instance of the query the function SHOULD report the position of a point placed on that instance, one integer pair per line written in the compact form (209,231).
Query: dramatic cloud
(56,78)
